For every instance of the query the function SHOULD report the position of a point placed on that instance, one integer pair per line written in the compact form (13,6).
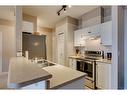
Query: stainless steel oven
(88,66)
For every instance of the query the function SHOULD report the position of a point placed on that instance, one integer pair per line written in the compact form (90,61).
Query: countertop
(74,56)
(105,61)
(22,73)
(62,75)
(99,60)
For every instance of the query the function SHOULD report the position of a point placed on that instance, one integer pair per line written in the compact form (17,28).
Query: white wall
(8,45)
(0,52)
(48,42)
(54,47)
(117,67)
(18,28)
(125,48)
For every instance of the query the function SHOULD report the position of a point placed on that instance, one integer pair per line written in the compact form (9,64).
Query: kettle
(109,55)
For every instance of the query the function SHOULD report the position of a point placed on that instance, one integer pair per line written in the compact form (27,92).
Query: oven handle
(89,62)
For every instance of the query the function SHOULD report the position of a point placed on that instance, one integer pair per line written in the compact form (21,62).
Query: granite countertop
(99,60)
(62,75)
(22,73)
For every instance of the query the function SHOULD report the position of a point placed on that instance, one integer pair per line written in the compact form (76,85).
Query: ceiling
(7,12)
(47,16)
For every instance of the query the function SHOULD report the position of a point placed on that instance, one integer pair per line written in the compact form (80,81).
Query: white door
(61,48)
(0,52)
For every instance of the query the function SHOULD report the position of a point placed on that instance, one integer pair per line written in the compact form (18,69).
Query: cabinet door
(99,75)
(93,30)
(106,33)
(78,38)
(72,63)
(39,85)
(103,75)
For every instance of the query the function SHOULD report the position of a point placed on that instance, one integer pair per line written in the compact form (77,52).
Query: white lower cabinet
(103,75)
(39,85)
(72,63)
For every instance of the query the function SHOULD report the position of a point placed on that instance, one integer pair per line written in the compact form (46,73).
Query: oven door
(87,67)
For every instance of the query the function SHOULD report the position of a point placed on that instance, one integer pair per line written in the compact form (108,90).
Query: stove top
(92,58)
(92,55)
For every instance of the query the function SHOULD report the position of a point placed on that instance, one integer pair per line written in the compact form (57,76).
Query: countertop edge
(70,81)
(29,82)
(106,62)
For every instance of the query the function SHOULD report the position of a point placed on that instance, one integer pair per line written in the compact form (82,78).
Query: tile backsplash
(94,45)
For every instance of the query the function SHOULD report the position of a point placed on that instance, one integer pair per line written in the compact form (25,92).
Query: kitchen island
(65,78)
(25,75)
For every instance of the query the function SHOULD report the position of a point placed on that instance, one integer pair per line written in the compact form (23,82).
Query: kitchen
(73,42)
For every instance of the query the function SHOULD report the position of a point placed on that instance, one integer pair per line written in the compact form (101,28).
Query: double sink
(43,63)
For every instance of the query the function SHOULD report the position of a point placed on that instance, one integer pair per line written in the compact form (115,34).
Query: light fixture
(63,8)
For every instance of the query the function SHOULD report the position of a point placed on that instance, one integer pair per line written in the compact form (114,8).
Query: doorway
(61,48)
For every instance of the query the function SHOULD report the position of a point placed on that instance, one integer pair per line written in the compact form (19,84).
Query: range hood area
(90,33)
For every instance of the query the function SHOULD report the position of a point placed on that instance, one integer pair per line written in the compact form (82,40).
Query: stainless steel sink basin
(44,64)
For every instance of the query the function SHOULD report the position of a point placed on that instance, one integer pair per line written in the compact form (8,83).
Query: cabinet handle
(89,32)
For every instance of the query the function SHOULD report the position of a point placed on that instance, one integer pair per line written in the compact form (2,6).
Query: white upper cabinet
(103,30)
(106,33)
(27,26)
(79,38)
(92,31)
(81,35)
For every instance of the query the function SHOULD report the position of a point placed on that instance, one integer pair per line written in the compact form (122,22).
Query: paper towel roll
(27,54)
